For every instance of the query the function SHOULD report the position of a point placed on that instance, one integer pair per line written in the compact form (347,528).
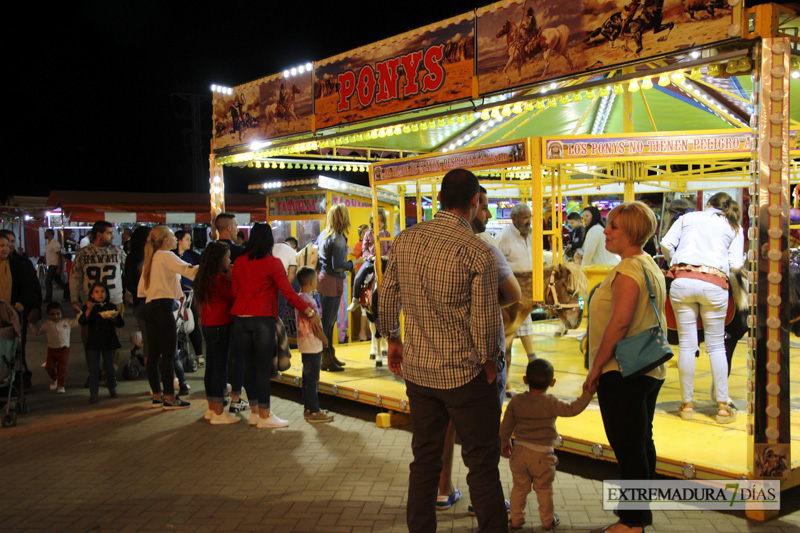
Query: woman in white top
(160,284)
(594,244)
(702,247)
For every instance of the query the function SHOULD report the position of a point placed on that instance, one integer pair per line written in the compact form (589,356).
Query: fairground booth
(574,103)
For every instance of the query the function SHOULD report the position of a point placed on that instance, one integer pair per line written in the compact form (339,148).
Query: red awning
(137,207)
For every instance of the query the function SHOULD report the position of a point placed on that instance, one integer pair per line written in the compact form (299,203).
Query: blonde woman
(332,245)
(160,285)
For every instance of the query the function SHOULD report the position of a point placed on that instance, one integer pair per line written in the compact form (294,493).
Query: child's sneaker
(223,418)
(319,416)
(176,403)
(444,503)
(157,402)
(54,385)
(60,390)
(238,407)
(556,521)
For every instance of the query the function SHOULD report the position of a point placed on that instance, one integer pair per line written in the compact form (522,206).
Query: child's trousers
(56,365)
(537,470)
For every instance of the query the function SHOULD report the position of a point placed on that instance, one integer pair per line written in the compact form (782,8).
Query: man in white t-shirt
(288,257)
(516,244)
(52,253)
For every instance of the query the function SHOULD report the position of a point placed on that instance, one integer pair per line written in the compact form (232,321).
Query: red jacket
(217,310)
(255,287)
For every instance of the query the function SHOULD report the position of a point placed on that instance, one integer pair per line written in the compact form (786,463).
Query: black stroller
(11,365)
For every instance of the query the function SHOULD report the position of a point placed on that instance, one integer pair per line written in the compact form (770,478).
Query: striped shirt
(445,280)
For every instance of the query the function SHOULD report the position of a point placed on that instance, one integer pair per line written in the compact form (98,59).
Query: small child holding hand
(58,331)
(531,417)
(102,318)
(310,342)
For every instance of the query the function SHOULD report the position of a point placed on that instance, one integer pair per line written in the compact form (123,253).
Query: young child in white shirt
(310,343)
(58,330)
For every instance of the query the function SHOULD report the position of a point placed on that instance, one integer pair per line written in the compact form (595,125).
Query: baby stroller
(11,365)
(184,321)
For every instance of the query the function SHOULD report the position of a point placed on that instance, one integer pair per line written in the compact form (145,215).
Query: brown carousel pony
(564,285)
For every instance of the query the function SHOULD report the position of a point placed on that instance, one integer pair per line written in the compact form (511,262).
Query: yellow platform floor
(712,450)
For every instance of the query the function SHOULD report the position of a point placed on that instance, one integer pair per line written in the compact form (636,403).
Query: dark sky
(94,82)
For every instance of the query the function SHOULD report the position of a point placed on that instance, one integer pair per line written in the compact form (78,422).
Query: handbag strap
(652,293)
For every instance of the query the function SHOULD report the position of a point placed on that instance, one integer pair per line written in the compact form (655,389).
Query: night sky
(95,84)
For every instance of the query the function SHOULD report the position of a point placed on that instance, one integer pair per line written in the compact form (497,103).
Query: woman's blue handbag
(641,353)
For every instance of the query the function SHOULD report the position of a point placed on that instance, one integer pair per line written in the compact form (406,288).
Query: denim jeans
(692,298)
(234,367)
(53,275)
(218,344)
(311,365)
(94,370)
(329,310)
(256,336)
(627,407)
(475,411)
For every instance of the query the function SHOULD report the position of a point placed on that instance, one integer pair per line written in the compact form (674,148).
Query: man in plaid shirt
(445,280)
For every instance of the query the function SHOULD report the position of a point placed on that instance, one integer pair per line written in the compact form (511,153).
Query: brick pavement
(120,466)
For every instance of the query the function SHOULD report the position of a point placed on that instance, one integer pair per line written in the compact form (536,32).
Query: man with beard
(516,244)
(508,293)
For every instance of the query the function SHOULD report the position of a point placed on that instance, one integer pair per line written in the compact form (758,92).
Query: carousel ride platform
(699,447)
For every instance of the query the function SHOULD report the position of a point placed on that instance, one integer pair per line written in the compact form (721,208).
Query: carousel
(550,114)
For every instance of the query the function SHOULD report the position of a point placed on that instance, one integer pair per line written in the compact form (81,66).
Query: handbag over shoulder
(639,354)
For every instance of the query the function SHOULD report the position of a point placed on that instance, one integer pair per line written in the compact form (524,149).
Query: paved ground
(120,466)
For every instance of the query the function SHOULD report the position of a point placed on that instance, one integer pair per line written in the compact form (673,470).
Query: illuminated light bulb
(347,168)
(618,89)
(506,111)
(309,67)
(440,123)
(539,105)
(313,167)
(389,131)
(415,127)
(604,91)
(305,167)
(327,167)
(452,146)
(450,121)
(647,83)
(360,137)
(590,95)
(695,54)
(495,112)
(282,165)
(274,165)
(732,67)
(485,115)
(406,128)
(551,102)
(423,126)
(563,100)
(715,70)
(285,73)
(382,132)
(633,86)
(695,74)
(663,80)
(744,64)
(678,76)
(795,74)
(398,130)
(290,165)
(528,106)
(431,124)
(517,109)
(576,97)
(461,119)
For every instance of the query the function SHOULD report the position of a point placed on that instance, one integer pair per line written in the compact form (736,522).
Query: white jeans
(690,298)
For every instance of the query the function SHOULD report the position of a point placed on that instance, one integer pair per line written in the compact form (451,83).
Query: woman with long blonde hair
(334,266)
(160,285)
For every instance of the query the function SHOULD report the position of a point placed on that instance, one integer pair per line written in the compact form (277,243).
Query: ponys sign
(419,68)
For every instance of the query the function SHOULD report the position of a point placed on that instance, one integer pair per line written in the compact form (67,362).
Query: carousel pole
(376,222)
(768,416)
(537,222)
(216,190)
(627,127)
(401,191)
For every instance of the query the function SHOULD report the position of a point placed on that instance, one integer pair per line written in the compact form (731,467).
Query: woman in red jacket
(257,276)
(214,297)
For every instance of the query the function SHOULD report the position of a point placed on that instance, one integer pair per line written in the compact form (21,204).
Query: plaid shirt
(445,280)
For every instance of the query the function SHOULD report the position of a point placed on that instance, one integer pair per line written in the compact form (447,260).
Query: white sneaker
(54,385)
(60,390)
(209,414)
(224,418)
(253,419)
(271,422)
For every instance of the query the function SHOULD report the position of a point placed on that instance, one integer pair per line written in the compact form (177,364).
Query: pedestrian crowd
(450,282)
